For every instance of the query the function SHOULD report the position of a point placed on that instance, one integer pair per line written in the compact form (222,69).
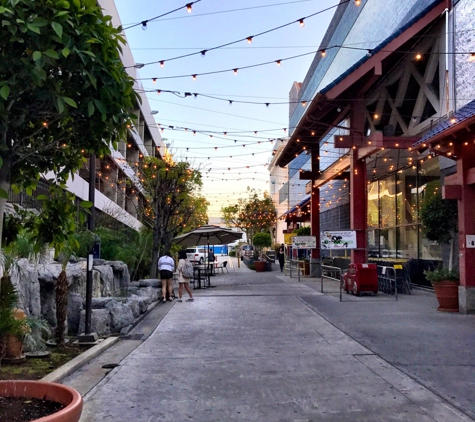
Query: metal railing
(332,273)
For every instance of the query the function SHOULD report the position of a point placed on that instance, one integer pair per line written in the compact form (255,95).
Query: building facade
(387,121)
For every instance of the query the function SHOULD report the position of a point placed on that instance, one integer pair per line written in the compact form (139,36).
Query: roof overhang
(331,105)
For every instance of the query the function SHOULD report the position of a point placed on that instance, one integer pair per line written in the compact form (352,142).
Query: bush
(232,253)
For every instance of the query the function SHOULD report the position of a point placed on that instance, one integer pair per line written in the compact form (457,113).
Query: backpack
(187,270)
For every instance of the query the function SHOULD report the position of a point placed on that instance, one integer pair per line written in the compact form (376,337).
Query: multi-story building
(389,116)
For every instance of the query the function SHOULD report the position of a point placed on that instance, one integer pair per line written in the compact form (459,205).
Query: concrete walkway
(264,347)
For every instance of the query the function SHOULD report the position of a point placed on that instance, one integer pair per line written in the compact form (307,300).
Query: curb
(78,361)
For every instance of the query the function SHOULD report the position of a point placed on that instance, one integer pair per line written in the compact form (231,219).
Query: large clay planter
(49,391)
(260,266)
(447,294)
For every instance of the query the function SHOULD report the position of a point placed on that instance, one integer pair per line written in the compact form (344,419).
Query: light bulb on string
(189,7)
(162,63)
(278,62)
(249,40)
(302,23)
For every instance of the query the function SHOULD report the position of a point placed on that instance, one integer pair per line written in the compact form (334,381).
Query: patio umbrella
(207,235)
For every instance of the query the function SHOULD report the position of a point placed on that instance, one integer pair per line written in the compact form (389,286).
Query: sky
(237,161)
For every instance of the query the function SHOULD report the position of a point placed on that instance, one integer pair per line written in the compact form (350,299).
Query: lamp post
(89,337)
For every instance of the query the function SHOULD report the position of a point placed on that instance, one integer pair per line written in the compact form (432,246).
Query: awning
(460,120)
(300,205)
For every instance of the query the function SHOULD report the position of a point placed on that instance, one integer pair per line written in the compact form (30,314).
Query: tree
(251,215)
(260,241)
(55,226)
(172,201)
(64,91)
(439,218)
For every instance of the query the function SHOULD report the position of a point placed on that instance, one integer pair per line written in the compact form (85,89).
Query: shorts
(166,274)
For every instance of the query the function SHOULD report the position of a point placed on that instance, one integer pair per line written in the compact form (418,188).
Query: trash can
(361,278)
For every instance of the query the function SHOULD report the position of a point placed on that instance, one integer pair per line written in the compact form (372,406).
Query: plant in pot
(261,241)
(439,220)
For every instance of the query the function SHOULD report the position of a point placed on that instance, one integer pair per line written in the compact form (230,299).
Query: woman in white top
(166,266)
(183,281)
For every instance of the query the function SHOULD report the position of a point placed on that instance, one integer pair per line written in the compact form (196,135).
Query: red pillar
(358,206)
(466,222)
(315,219)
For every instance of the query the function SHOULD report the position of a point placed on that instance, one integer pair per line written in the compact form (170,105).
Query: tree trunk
(61,306)
(5,178)
(451,254)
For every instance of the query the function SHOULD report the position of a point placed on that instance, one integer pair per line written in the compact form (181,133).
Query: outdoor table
(202,272)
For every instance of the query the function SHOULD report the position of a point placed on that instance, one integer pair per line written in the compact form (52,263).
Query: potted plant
(260,241)
(445,283)
(440,224)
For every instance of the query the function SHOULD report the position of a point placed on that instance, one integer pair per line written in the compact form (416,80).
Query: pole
(89,337)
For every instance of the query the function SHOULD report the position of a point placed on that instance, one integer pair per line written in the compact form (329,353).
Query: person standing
(211,259)
(166,266)
(183,282)
(281,257)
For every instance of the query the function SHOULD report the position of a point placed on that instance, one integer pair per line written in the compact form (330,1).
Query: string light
(189,7)
(418,56)
(357,2)
(249,40)
(194,77)
(323,52)
(235,71)
(301,22)
(162,63)
(278,62)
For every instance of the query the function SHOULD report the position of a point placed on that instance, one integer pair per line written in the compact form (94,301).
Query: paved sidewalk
(263,347)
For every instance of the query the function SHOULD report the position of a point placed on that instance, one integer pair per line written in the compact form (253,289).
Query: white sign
(470,241)
(304,242)
(338,240)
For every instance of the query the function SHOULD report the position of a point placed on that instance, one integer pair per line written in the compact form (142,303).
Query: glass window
(429,249)
(387,192)
(387,240)
(407,196)
(408,239)
(373,206)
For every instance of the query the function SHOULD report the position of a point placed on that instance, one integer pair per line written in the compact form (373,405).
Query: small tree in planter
(260,241)
(439,220)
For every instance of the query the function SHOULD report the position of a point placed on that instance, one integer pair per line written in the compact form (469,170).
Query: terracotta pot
(14,350)
(260,266)
(447,294)
(59,393)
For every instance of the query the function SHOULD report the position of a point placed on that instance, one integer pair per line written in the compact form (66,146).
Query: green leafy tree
(64,91)
(439,218)
(172,202)
(252,215)
(55,226)
(260,241)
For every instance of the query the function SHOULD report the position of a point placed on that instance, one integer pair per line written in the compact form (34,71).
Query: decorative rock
(100,321)
(133,304)
(74,309)
(150,282)
(99,302)
(149,292)
(125,330)
(120,315)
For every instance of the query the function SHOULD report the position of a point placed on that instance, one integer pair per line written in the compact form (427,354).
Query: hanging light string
(230,101)
(144,23)
(248,38)
(322,51)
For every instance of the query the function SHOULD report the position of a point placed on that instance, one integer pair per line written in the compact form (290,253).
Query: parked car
(196,254)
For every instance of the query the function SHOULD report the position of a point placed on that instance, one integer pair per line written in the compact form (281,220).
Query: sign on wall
(338,239)
(304,242)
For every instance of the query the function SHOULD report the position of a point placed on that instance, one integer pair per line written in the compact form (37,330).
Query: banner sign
(304,242)
(338,240)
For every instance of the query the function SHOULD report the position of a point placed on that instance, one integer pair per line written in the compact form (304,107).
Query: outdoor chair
(222,265)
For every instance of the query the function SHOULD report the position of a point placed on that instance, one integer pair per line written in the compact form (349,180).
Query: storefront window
(373,206)
(387,193)
(407,242)
(407,196)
